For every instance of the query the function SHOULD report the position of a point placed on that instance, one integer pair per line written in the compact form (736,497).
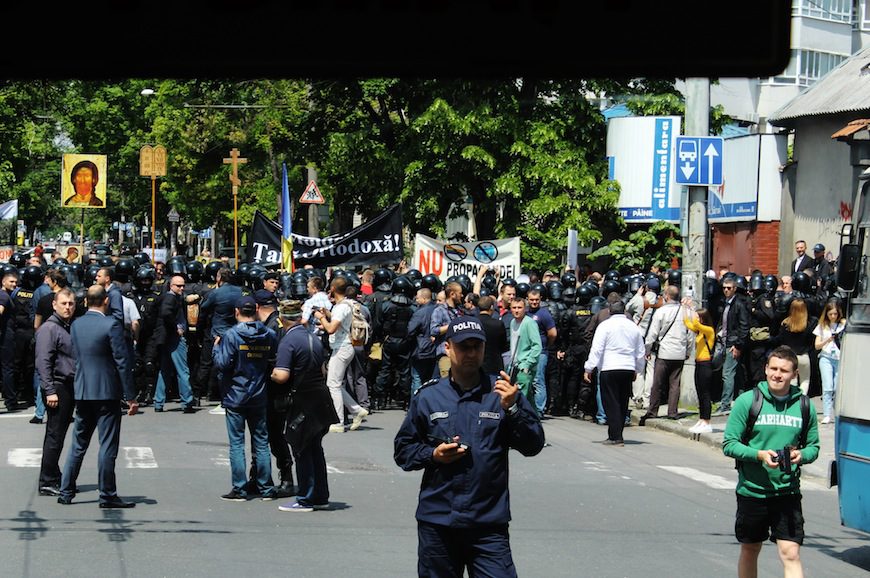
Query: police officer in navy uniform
(145,298)
(458,430)
(573,348)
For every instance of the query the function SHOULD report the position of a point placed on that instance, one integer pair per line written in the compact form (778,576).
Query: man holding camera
(769,453)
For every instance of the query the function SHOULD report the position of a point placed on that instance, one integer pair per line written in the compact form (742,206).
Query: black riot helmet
(484,291)
(142,258)
(353,279)
(78,271)
(466,284)
(510,282)
(105,261)
(33,277)
(90,275)
(256,276)
(568,279)
(210,271)
(18,259)
(432,282)
(741,284)
(554,290)
(176,266)
(414,275)
(125,268)
(299,286)
(569,296)
(242,272)
(61,261)
(770,284)
(237,278)
(195,270)
(802,283)
(597,303)
(611,286)
(585,295)
(523,290)
(144,277)
(635,282)
(489,282)
(593,287)
(611,275)
(542,289)
(402,285)
(382,279)
(756,282)
(675,277)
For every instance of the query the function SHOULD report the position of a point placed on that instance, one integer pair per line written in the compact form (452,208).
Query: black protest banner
(378,241)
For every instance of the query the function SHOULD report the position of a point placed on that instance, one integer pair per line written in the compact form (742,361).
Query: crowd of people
(294,356)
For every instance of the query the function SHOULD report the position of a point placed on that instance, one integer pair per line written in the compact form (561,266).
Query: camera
(783,458)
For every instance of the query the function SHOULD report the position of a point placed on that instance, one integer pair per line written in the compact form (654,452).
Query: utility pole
(695,198)
(313,216)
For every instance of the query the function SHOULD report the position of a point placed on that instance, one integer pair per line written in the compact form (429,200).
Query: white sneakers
(336,428)
(358,419)
(701,427)
(219,410)
(826,420)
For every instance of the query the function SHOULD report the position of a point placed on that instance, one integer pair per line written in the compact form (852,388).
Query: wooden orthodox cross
(235,160)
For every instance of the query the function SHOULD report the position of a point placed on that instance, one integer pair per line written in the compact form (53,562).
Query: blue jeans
(540,384)
(37,394)
(829,368)
(312,488)
(422,370)
(731,376)
(174,356)
(600,416)
(255,418)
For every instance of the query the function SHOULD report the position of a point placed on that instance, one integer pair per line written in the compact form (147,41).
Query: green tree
(658,244)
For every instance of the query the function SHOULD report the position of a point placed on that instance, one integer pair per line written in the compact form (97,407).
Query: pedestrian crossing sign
(311,195)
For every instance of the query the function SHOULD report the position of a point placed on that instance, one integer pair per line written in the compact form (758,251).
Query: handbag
(717,353)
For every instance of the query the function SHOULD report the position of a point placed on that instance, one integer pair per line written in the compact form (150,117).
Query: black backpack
(755,410)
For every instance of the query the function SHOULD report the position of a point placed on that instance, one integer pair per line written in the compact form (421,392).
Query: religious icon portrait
(83,181)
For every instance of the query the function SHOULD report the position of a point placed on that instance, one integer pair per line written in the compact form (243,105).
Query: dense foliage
(528,153)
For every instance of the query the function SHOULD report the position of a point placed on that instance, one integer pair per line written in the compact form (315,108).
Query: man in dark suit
(101,382)
(496,337)
(803,261)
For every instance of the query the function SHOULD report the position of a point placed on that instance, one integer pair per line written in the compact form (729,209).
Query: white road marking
(220,461)
(134,457)
(720,483)
(139,457)
(333,470)
(711,480)
(24,457)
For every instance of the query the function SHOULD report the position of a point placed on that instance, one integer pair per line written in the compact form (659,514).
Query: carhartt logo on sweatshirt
(781,420)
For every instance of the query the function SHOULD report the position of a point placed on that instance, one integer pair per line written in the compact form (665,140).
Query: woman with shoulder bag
(828,333)
(700,322)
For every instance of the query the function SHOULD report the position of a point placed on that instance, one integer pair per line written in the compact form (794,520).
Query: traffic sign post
(699,161)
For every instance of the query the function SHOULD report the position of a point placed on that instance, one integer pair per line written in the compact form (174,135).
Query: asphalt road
(661,505)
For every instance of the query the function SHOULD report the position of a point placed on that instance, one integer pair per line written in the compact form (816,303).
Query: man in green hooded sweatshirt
(768,493)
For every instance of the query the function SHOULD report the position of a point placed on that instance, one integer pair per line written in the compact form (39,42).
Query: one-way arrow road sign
(699,160)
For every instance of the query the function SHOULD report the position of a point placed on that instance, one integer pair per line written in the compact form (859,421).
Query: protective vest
(396,319)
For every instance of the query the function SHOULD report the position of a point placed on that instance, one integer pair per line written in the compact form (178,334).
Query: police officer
(573,349)
(381,282)
(24,333)
(396,351)
(459,430)
(145,298)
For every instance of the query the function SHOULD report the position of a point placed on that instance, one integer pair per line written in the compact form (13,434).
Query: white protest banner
(448,259)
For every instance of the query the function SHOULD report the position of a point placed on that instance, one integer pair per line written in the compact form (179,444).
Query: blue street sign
(699,160)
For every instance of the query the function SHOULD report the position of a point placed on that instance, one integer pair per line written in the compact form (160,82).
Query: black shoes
(36,420)
(116,502)
(285,490)
(189,409)
(65,500)
(617,443)
(158,409)
(234,496)
(49,491)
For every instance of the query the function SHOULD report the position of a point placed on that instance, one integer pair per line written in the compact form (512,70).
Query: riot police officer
(396,351)
(573,349)
(24,367)
(145,298)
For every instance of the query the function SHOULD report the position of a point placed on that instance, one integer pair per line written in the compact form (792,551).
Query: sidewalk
(817,469)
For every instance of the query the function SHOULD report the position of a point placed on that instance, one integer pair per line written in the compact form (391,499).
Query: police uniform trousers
(7,371)
(396,359)
(445,552)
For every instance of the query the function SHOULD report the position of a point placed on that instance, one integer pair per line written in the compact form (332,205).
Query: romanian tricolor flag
(286,226)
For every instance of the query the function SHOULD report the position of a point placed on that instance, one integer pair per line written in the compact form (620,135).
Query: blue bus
(850,471)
